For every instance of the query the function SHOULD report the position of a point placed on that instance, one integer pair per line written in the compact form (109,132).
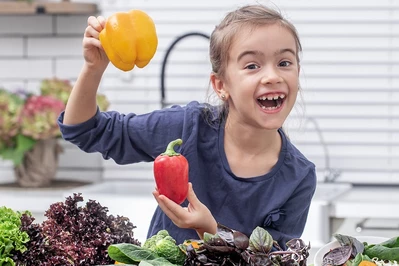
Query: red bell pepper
(171,173)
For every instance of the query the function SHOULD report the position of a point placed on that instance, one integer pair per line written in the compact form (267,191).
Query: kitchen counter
(34,199)
(372,201)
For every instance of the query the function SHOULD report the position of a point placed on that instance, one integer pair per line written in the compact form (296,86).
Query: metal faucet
(330,174)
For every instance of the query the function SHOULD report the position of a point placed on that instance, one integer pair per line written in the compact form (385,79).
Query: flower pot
(39,165)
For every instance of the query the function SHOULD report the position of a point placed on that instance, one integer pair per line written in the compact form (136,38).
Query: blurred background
(346,120)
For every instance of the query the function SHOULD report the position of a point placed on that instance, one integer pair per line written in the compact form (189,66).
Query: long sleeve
(125,138)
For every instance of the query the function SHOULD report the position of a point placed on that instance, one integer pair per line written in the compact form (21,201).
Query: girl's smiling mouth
(271,102)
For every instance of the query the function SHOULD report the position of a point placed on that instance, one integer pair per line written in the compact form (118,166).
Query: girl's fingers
(172,207)
(90,42)
(91,32)
(102,21)
(191,196)
(156,194)
(93,22)
(167,206)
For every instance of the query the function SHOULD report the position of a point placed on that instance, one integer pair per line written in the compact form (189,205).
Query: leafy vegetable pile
(352,252)
(84,234)
(72,235)
(12,239)
(226,248)
(232,248)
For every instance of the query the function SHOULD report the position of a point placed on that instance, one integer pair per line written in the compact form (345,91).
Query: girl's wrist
(211,228)
(93,71)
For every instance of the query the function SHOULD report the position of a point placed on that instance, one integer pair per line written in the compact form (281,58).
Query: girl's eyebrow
(249,52)
(281,51)
(259,53)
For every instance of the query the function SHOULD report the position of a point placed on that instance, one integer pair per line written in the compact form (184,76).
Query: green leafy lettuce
(11,237)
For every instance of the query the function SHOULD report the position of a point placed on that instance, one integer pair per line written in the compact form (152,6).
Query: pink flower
(39,117)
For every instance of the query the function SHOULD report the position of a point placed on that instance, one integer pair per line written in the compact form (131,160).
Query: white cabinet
(367,210)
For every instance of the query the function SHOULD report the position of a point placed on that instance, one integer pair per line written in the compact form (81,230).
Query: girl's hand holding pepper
(93,51)
(196,215)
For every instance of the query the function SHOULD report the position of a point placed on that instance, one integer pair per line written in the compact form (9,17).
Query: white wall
(33,48)
(350,76)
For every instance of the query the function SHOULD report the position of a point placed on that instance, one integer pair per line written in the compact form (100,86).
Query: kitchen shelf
(49,8)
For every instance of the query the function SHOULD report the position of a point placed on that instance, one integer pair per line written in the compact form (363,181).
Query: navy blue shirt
(277,201)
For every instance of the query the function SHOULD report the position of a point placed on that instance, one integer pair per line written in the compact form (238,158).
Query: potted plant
(29,131)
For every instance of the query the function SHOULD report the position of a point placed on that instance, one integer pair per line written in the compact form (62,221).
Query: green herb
(357,260)
(387,250)
(129,253)
(133,254)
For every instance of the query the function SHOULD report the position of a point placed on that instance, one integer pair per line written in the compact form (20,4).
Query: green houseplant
(29,131)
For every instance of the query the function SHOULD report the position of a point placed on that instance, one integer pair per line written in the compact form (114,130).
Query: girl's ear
(218,87)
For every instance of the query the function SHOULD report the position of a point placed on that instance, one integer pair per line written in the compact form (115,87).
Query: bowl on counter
(318,259)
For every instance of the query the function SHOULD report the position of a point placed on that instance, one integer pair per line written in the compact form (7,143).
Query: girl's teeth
(271,107)
(275,97)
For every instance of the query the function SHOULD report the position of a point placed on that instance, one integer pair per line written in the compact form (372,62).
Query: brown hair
(249,15)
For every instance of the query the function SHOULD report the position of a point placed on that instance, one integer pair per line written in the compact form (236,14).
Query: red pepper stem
(170,149)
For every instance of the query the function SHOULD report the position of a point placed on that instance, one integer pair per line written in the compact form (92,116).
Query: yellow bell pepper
(129,39)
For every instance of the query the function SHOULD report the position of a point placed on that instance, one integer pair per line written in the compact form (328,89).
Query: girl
(244,170)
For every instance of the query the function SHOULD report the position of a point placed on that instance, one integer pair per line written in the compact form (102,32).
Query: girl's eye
(252,66)
(284,64)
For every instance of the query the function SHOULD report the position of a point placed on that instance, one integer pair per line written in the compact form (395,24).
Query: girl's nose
(271,76)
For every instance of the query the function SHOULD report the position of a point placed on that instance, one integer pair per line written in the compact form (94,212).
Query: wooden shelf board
(50,8)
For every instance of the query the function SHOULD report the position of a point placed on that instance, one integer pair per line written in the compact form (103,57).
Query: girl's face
(262,77)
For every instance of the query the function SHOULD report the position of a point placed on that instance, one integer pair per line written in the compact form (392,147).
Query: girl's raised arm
(82,103)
